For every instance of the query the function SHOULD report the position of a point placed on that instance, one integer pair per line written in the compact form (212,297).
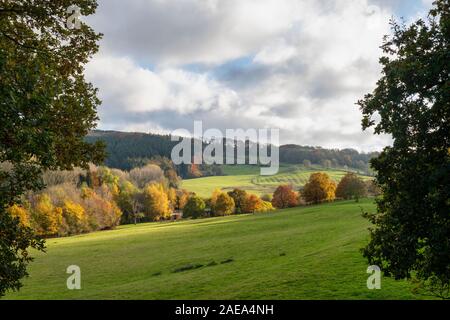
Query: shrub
(264,206)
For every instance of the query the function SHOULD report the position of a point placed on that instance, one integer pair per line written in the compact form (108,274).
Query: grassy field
(300,253)
(248,178)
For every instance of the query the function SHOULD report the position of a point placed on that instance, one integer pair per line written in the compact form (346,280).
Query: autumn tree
(224,205)
(264,206)
(285,197)
(47,108)
(194,208)
(182,199)
(251,204)
(319,188)
(75,217)
(47,218)
(372,188)
(101,209)
(411,234)
(351,187)
(172,196)
(169,170)
(215,194)
(239,197)
(150,173)
(20,213)
(156,202)
(194,171)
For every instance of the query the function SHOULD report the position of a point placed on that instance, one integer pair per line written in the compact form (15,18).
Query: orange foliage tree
(182,199)
(285,197)
(251,204)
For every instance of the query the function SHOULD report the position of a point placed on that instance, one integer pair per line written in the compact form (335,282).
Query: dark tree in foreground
(46,109)
(411,237)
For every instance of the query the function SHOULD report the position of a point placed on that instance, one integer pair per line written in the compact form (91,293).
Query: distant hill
(127,150)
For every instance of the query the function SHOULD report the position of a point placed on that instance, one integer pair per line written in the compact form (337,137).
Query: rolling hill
(299,253)
(248,178)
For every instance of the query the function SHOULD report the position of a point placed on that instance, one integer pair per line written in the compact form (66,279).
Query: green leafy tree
(411,237)
(46,109)
(351,187)
(194,208)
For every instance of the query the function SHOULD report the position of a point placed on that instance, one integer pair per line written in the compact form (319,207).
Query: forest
(127,150)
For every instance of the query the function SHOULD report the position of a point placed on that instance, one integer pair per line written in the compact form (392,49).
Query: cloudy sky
(296,65)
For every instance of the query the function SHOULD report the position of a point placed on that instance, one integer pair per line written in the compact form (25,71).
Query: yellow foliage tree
(264,206)
(224,205)
(182,199)
(156,202)
(320,187)
(172,196)
(21,213)
(216,193)
(47,219)
(75,217)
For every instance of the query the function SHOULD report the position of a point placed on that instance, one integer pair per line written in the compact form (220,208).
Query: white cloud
(310,61)
(126,87)
(189,31)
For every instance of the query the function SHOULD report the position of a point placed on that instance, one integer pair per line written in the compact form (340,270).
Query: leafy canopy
(46,109)
(411,236)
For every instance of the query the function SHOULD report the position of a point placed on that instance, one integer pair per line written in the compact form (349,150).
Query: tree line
(100,198)
(127,150)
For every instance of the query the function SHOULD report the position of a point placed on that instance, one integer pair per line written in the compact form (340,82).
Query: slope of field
(248,178)
(300,253)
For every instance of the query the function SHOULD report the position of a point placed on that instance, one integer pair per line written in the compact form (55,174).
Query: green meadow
(300,253)
(248,178)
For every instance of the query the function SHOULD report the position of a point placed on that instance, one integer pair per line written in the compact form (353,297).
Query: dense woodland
(127,150)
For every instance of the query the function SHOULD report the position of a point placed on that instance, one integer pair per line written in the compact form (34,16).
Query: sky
(296,65)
